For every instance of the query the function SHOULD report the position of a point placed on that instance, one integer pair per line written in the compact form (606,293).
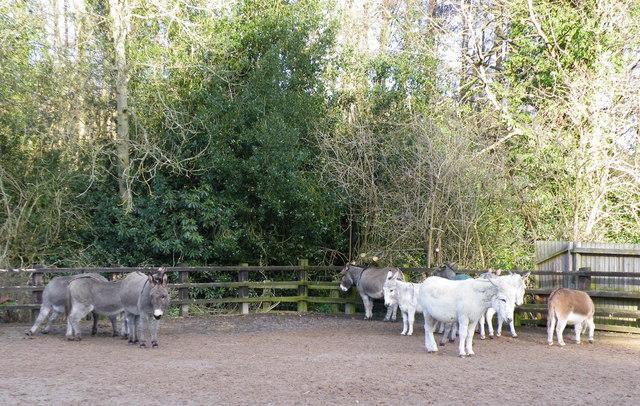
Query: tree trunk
(119,13)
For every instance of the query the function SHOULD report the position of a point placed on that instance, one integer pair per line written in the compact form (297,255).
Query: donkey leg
(73,322)
(512,327)
(391,313)
(368,307)
(44,312)
(445,333)
(405,323)
(142,328)
(578,330)
(551,325)
(54,315)
(411,316)
(591,325)
(490,313)
(114,329)
(94,329)
(463,330)
(561,324)
(469,340)
(124,328)
(429,325)
(131,325)
(453,330)
(154,332)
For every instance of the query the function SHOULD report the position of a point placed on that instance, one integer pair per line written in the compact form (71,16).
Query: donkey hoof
(154,346)
(143,345)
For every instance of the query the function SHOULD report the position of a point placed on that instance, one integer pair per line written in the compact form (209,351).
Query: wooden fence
(316,288)
(615,286)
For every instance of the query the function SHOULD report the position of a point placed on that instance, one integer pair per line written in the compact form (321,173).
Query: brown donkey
(567,306)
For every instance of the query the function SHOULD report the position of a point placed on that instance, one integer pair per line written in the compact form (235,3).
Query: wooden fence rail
(308,287)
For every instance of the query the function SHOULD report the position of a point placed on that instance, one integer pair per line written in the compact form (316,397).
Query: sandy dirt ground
(311,359)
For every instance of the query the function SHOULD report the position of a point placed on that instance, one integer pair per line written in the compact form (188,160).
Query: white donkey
(520,286)
(403,294)
(567,306)
(465,302)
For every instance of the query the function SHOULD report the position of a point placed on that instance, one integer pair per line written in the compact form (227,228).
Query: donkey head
(389,289)
(504,300)
(446,270)
(519,283)
(347,276)
(159,293)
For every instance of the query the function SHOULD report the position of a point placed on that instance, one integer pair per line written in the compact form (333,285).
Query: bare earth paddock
(312,359)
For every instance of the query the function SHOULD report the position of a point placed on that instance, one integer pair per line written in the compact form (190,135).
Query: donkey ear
(152,280)
(164,279)
(389,275)
(525,276)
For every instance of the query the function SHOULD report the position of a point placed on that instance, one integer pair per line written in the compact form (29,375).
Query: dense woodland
(215,132)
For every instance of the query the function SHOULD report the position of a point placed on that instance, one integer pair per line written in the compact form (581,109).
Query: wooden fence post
(37,279)
(584,281)
(350,308)
(183,293)
(243,291)
(334,294)
(303,290)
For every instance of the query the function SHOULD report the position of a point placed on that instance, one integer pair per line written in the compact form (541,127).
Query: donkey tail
(551,308)
(68,303)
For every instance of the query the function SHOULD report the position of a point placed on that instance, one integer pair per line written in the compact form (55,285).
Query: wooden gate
(607,265)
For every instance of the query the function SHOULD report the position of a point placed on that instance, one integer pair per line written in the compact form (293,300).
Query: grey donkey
(145,299)
(54,300)
(109,298)
(369,281)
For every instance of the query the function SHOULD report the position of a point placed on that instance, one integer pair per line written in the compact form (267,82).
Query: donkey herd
(142,298)
(456,304)
(459,302)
